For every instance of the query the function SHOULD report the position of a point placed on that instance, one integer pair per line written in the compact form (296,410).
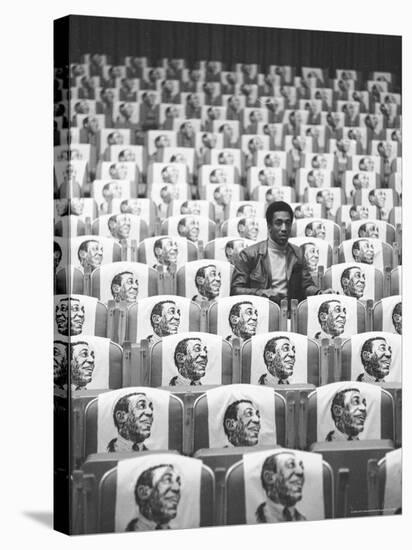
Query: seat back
(245,495)
(197,505)
(387,314)
(153,250)
(69,280)
(214,410)
(109,225)
(318,228)
(254,229)
(193,228)
(165,432)
(223,248)
(194,276)
(347,279)
(168,355)
(76,314)
(365,250)
(396,280)
(385,483)
(373,228)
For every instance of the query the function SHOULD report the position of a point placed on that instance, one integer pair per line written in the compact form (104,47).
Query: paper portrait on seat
(160,316)
(319,161)
(119,226)
(227,127)
(222,194)
(207,280)
(217,174)
(84,121)
(163,194)
(191,359)
(81,151)
(358,133)
(382,76)
(212,112)
(273,130)
(343,104)
(127,153)
(313,106)
(386,149)
(271,159)
(141,208)
(301,117)
(251,143)
(89,362)
(316,131)
(312,72)
(324,94)
(126,111)
(331,316)
(118,171)
(70,173)
(279,358)
(355,180)
(133,419)
(330,197)
(253,228)
(376,357)
(375,229)
(246,209)
(383,199)
(155,94)
(348,411)
(91,251)
(191,227)
(267,176)
(168,110)
(154,137)
(313,178)
(242,317)
(367,163)
(305,144)
(60,253)
(205,141)
(169,173)
(364,250)
(283,485)
(104,191)
(180,155)
(350,213)
(165,250)
(127,281)
(83,106)
(392,314)
(349,144)
(226,246)
(266,194)
(74,314)
(392,499)
(241,415)
(180,123)
(191,207)
(316,227)
(111,136)
(227,156)
(354,279)
(346,74)
(315,252)
(285,71)
(173,483)
(306,210)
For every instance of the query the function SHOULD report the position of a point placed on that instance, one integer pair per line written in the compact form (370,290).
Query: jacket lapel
(291,260)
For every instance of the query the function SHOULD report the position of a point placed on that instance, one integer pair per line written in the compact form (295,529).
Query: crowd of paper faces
(192,407)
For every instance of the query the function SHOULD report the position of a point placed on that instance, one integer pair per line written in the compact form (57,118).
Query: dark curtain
(228,43)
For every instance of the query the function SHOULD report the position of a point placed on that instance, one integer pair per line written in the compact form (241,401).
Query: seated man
(274,268)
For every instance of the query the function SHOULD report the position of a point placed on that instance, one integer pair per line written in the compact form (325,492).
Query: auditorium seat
(254,228)
(197,229)
(396,280)
(319,228)
(367,251)
(385,484)
(361,281)
(387,314)
(372,228)
(76,314)
(69,226)
(121,227)
(223,248)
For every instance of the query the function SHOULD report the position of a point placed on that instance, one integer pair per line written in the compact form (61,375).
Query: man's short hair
(356,245)
(346,273)
(77,343)
(269,465)
(158,310)
(117,279)
(324,308)
(277,206)
(159,244)
(397,310)
(271,345)
(201,272)
(146,479)
(367,346)
(339,400)
(231,412)
(235,310)
(122,405)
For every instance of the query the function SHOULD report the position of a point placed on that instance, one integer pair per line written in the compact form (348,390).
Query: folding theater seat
(385,484)
(76,314)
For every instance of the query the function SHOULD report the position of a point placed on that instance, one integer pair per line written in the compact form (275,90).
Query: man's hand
(271,293)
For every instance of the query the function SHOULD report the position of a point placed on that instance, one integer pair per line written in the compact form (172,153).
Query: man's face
(245,324)
(119,171)
(250,229)
(226,157)
(218,176)
(82,366)
(93,256)
(397,318)
(248,211)
(132,206)
(245,430)
(286,485)
(371,231)
(255,144)
(165,495)
(267,176)
(121,227)
(366,252)
(355,285)
(127,155)
(162,141)
(192,207)
(367,164)
(353,413)
(169,252)
(139,419)
(234,102)
(169,321)
(334,321)
(280,228)
(211,283)
(115,138)
(274,194)
(233,252)
(318,230)
(129,288)
(327,199)
(193,364)
(187,129)
(170,174)
(272,161)
(361,181)
(191,229)
(112,191)
(281,362)
(311,256)
(378,361)
(223,195)
(380,198)
(59,360)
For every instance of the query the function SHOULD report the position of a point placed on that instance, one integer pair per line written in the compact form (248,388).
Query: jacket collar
(292,256)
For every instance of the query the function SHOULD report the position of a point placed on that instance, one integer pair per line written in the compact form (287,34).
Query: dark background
(228,43)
